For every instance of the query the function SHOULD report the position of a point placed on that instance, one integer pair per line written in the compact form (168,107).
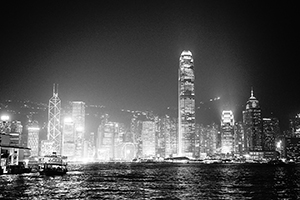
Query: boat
(178,159)
(276,162)
(52,165)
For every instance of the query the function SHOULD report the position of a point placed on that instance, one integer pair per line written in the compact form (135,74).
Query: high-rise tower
(253,125)
(227,137)
(78,116)
(33,138)
(186,105)
(54,127)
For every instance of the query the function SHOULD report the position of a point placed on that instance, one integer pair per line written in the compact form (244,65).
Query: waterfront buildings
(186,105)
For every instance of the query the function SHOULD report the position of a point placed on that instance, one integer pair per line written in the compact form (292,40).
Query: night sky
(126,54)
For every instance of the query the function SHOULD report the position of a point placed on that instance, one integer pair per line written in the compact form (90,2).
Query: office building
(186,105)
(68,142)
(33,138)
(253,125)
(78,117)
(148,139)
(294,126)
(54,125)
(227,132)
(239,139)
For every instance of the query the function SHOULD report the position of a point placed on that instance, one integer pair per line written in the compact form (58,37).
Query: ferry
(52,165)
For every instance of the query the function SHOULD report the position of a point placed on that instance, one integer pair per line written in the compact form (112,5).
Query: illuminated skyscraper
(78,117)
(148,139)
(294,126)
(227,125)
(206,140)
(106,141)
(168,129)
(33,138)
(239,142)
(68,143)
(270,132)
(253,125)
(54,127)
(186,105)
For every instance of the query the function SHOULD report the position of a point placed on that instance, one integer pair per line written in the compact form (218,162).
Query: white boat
(52,165)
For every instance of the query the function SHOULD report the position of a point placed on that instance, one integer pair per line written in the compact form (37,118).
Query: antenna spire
(55,89)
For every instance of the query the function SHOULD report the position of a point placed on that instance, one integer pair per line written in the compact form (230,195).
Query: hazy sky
(125,54)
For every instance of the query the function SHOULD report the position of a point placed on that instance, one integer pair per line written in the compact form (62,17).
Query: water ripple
(158,181)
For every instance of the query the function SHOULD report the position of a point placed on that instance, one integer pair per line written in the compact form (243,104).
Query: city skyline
(125,55)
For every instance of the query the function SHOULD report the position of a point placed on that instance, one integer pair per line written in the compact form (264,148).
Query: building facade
(33,138)
(239,139)
(294,126)
(270,132)
(78,117)
(54,125)
(68,143)
(206,140)
(148,139)
(252,121)
(227,132)
(186,105)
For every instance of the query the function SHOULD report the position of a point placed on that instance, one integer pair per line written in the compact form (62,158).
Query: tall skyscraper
(294,126)
(186,105)
(239,142)
(68,142)
(108,133)
(207,140)
(168,127)
(148,139)
(253,125)
(54,127)
(78,117)
(270,132)
(227,133)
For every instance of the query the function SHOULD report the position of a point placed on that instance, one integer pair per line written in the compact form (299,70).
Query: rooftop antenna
(55,89)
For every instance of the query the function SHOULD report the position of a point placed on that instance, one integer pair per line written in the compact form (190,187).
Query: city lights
(4,117)
(33,128)
(278,144)
(150,136)
(79,129)
(68,120)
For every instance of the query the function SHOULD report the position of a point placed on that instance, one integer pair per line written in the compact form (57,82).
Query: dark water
(158,181)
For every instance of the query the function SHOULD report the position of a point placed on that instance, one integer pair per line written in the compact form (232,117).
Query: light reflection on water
(158,181)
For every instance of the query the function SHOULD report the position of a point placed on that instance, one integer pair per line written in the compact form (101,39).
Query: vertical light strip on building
(186,105)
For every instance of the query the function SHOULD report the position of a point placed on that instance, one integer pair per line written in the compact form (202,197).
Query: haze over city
(125,54)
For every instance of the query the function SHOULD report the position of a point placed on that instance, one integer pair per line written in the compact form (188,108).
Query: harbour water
(158,181)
